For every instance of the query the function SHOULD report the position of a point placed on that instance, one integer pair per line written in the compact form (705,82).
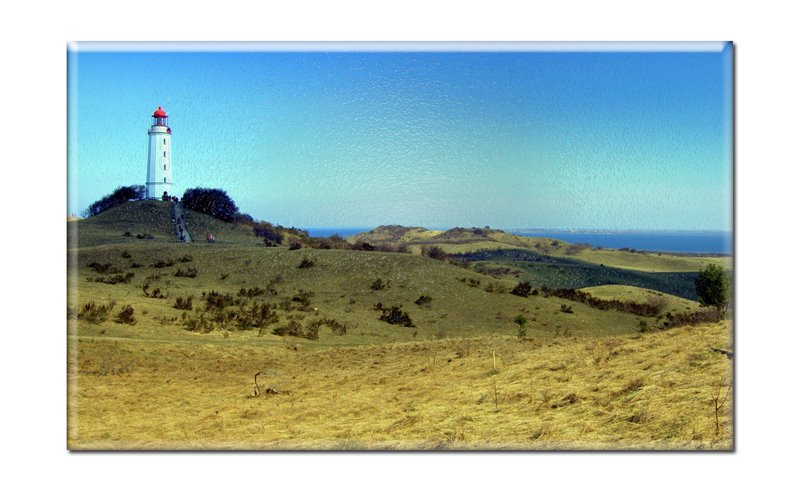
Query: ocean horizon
(680,241)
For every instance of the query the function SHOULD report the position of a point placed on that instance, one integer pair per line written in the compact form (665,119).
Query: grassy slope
(647,391)
(469,242)
(340,282)
(642,295)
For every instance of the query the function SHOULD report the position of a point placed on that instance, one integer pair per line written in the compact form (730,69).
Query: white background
(32,336)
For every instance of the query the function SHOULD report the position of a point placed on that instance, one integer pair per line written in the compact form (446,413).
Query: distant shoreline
(677,242)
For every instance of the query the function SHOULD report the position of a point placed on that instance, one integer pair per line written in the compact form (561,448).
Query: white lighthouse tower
(159,160)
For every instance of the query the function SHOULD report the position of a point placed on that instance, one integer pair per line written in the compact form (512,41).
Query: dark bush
(251,292)
(295,245)
(156,293)
(567,309)
(303,298)
(423,300)
(292,328)
(161,263)
(95,314)
(217,301)
(103,268)
(144,236)
(338,328)
(272,235)
(187,258)
(120,195)
(126,316)
(115,279)
(363,246)
(183,303)
(307,263)
(214,202)
(126,254)
(523,289)
(394,315)
(434,252)
(378,284)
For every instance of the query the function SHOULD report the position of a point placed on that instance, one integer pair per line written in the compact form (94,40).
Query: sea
(688,242)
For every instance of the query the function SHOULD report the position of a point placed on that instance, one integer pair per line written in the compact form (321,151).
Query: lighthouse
(159,160)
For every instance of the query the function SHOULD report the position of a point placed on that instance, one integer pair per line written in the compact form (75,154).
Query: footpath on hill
(181,230)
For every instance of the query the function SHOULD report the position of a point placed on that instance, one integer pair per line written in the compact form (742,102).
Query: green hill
(121,225)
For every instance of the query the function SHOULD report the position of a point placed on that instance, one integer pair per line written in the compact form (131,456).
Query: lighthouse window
(165,166)
(165,141)
(165,153)
(165,179)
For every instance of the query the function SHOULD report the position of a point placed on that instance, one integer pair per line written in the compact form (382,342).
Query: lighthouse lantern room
(159,160)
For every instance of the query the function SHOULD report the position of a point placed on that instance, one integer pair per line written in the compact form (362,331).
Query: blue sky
(594,139)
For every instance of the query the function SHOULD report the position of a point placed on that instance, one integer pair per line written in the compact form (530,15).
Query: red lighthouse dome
(159,113)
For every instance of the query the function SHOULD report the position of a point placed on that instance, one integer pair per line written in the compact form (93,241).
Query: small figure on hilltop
(210,238)
(165,197)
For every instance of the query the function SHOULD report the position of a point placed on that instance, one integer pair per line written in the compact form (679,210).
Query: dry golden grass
(651,391)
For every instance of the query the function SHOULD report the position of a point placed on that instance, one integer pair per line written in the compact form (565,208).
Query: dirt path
(181,229)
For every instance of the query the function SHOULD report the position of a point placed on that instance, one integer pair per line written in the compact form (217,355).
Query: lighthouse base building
(159,160)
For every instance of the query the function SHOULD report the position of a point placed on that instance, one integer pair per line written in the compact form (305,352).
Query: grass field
(578,377)
(632,392)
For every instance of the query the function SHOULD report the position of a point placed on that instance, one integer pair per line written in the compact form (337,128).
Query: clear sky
(593,139)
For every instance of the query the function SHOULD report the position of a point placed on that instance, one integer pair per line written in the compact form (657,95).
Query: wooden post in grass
(494,363)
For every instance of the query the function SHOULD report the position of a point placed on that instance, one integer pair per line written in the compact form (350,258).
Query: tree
(122,194)
(214,202)
(713,287)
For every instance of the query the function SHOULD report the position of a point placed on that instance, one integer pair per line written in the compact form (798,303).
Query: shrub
(521,321)
(394,315)
(363,246)
(126,255)
(156,293)
(102,268)
(217,301)
(292,328)
(251,292)
(272,235)
(303,298)
(423,300)
(117,278)
(189,273)
(523,289)
(567,309)
(214,202)
(307,263)
(295,245)
(161,263)
(378,284)
(187,258)
(434,252)
(183,303)
(126,316)
(95,314)
(338,328)
(120,195)
(144,236)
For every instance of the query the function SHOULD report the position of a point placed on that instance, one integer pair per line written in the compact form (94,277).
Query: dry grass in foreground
(653,391)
